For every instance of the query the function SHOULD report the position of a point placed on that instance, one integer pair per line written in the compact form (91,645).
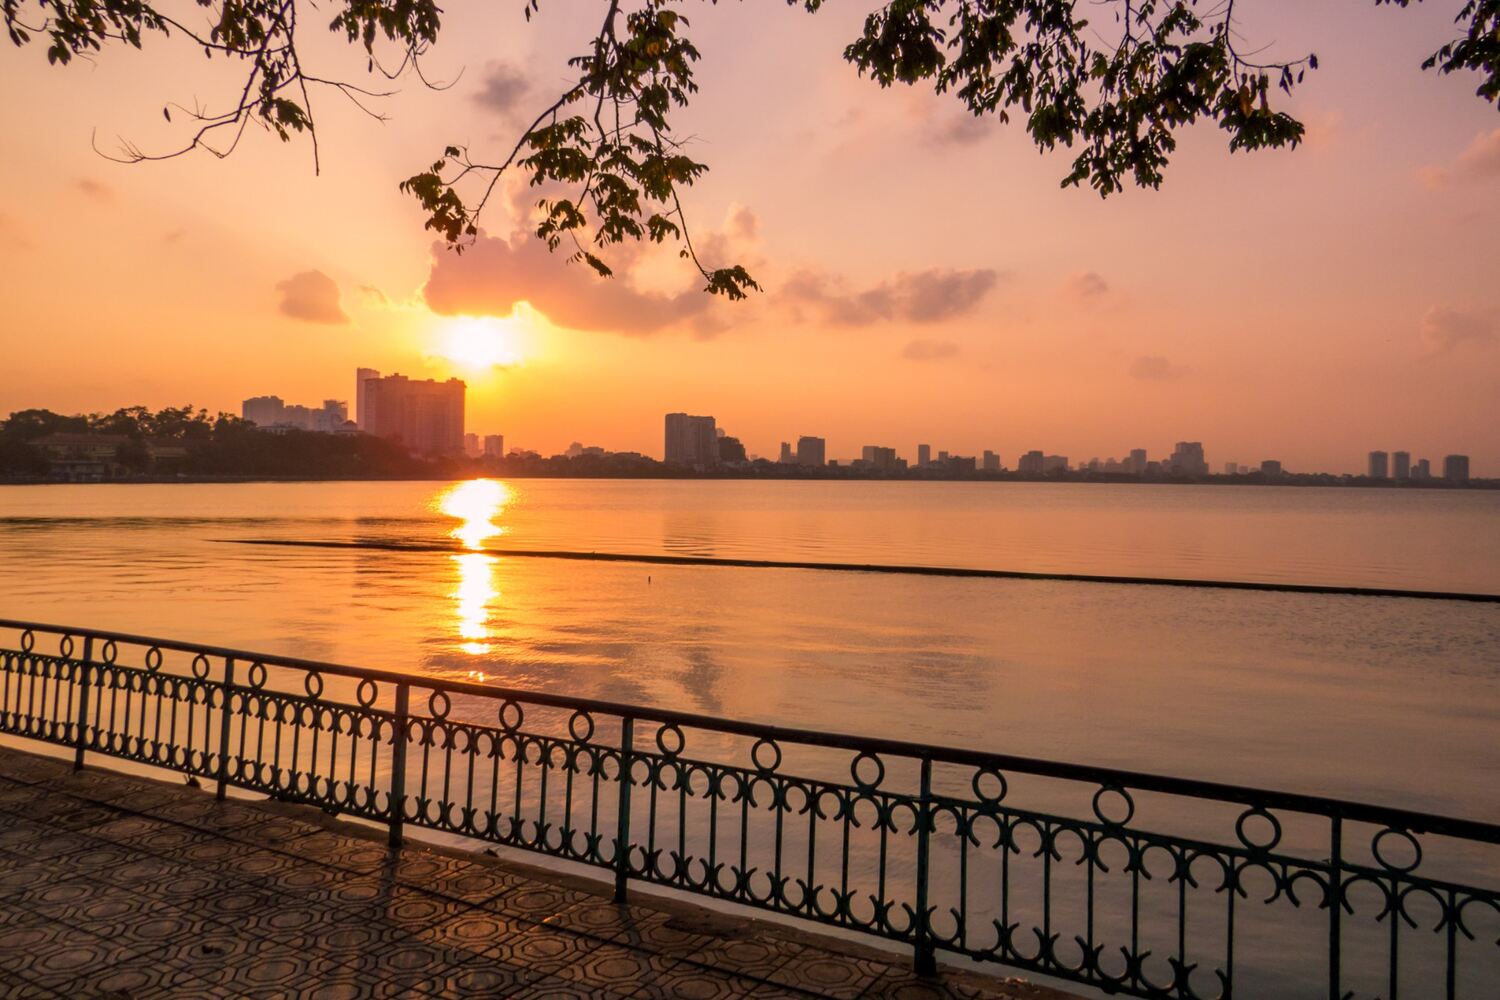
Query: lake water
(1288,690)
(1389,700)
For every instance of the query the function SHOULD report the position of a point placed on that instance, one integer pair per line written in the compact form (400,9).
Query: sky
(926,279)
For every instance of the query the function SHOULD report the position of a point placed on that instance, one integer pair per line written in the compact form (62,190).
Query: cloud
(494,274)
(1087,286)
(503,88)
(929,350)
(1479,161)
(374,294)
(929,296)
(94,189)
(312,296)
(1155,368)
(1446,328)
(959,130)
(742,223)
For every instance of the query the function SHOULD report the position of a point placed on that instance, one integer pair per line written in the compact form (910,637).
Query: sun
(481,342)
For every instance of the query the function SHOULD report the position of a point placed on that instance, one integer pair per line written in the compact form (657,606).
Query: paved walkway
(118,887)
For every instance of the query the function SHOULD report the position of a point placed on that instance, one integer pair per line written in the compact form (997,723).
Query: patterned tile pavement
(120,888)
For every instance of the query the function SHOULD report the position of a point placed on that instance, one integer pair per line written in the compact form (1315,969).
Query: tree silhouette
(1117,94)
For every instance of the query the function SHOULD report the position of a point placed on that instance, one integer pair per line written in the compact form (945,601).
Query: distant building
(271,413)
(1379,465)
(1270,468)
(692,441)
(363,413)
(1055,463)
(1187,459)
(880,458)
(962,463)
(1231,468)
(811,451)
(1401,464)
(942,458)
(732,449)
(1423,469)
(1456,468)
(471,445)
(787,456)
(991,462)
(924,455)
(1136,463)
(425,416)
(494,445)
(1030,464)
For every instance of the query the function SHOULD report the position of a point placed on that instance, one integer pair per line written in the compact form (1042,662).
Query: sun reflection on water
(476,504)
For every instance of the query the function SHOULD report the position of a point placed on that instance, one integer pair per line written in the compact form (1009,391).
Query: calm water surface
(1391,700)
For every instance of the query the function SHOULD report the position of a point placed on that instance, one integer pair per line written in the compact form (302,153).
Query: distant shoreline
(838,476)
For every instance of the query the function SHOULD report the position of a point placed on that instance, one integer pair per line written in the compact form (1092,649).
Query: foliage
(1117,94)
(222,445)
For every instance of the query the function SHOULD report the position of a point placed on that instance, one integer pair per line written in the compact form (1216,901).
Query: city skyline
(1089,326)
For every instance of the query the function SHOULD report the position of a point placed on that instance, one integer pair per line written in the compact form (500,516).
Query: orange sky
(926,280)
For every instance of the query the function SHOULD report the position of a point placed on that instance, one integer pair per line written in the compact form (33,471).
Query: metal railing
(1132,883)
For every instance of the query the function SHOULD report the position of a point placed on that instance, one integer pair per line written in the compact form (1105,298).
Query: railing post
(622,826)
(926,953)
(81,721)
(1335,908)
(398,762)
(228,687)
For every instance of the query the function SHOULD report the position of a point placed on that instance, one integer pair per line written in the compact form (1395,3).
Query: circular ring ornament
(438,703)
(257,675)
(365,693)
(109,650)
(28,640)
(766,755)
(581,726)
(200,667)
(1099,804)
(859,769)
(662,741)
(65,647)
(1403,836)
(1244,835)
(511,715)
(153,659)
(312,683)
(989,785)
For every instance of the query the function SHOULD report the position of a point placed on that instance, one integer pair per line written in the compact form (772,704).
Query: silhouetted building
(692,441)
(424,415)
(1401,464)
(787,456)
(1136,463)
(471,445)
(731,449)
(270,413)
(1231,468)
(811,451)
(1456,468)
(991,462)
(1055,463)
(494,445)
(880,458)
(924,455)
(1270,468)
(1379,465)
(1423,469)
(1187,459)
(1030,464)
(363,412)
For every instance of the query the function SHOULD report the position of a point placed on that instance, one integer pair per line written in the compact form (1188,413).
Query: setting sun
(481,342)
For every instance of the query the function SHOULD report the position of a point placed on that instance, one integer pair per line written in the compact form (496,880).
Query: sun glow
(475,504)
(482,342)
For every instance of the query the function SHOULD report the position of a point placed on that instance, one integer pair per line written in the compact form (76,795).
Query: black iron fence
(1132,883)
